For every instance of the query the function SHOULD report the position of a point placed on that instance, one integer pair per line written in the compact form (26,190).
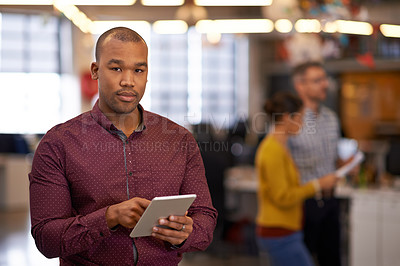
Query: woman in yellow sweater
(280,194)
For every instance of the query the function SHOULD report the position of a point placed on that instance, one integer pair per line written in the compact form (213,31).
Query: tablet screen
(161,207)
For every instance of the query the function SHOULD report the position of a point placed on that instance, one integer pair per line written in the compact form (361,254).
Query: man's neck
(127,123)
(312,105)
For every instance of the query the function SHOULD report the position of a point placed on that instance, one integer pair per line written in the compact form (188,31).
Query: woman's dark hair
(282,102)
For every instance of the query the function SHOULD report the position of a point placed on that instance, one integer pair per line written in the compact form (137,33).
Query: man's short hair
(300,70)
(118,33)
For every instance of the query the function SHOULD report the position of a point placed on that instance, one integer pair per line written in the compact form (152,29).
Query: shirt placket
(129,174)
(321,151)
(129,161)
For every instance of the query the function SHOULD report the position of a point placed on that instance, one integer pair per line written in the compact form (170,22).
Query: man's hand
(328,181)
(182,227)
(126,213)
(353,172)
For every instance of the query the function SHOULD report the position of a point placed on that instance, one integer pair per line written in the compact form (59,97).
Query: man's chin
(321,98)
(125,110)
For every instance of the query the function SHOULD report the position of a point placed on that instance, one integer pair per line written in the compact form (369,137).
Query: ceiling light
(75,15)
(390,30)
(163,2)
(354,27)
(214,37)
(235,26)
(330,27)
(233,2)
(170,27)
(101,2)
(283,25)
(69,2)
(307,26)
(137,25)
(26,2)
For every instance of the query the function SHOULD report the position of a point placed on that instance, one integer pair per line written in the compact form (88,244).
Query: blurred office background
(212,64)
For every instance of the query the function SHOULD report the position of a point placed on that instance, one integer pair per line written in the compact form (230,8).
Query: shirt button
(130,173)
(101,234)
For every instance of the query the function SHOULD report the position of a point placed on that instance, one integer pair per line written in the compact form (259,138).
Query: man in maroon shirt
(93,176)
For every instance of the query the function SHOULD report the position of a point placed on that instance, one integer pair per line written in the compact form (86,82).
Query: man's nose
(128,79)
(324,82)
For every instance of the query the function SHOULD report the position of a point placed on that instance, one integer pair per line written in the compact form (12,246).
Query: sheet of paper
(347,148)
(345,169)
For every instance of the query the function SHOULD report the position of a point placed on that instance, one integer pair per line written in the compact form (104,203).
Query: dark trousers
(322,230)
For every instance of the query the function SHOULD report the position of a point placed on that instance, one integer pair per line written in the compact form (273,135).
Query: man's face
(315,84)
(121,72)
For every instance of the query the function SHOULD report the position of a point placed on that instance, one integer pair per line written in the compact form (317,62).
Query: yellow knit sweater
(280,194)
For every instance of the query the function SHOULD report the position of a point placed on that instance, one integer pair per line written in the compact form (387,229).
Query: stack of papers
(345,169)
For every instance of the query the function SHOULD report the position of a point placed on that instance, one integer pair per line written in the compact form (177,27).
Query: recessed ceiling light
(69,2)
(233,2)
(235,26)
(354,27)
(307,26)
(390,30)
(163,2)
(283,25)
(170,27)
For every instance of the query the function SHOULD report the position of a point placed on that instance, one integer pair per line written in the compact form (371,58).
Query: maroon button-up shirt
(86,164)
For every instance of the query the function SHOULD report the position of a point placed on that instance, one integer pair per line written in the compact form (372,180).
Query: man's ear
(299,87)
(94,70)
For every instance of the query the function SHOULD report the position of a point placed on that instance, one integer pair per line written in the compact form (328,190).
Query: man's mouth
(126,96)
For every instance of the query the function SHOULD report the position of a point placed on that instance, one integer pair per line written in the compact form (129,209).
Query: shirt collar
(309,113)
(103,121)
(143,119)
(322,111)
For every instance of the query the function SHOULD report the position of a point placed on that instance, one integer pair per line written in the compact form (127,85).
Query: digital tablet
(161,207)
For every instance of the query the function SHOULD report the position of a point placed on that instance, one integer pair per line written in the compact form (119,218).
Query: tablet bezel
(161,207)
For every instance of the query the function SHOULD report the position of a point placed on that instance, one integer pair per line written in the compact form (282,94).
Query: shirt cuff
(178,246)
(97,224)
(182,247)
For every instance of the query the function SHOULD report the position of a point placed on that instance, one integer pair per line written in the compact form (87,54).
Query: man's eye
(116,69)
(139,70)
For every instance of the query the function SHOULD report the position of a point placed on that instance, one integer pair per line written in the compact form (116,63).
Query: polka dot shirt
(85,165)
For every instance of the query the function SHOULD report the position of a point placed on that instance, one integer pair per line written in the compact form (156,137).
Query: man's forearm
(64,237)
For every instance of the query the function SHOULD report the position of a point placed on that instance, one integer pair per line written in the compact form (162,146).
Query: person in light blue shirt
(314,151)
